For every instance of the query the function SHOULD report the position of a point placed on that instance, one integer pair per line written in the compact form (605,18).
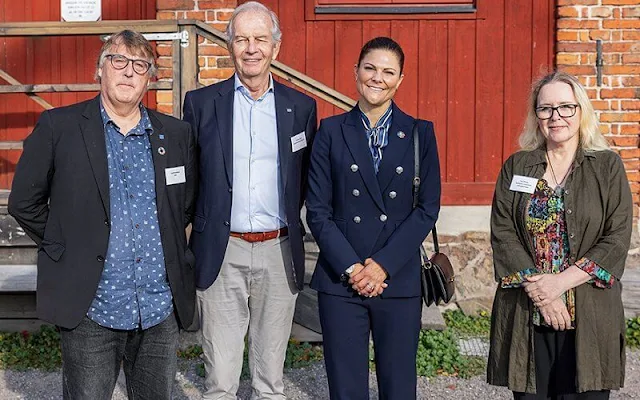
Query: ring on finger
(370,286)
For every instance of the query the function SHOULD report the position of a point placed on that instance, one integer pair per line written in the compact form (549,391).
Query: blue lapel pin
(161,136)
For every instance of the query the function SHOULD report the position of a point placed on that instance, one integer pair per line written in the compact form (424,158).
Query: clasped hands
(368,279)
(545,291)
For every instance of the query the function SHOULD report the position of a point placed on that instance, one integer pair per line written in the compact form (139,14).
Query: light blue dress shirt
(257,201)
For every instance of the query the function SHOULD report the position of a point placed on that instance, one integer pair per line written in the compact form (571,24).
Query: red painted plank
(406,34)
(371,29)
(467,194)
(517,70)
(489,93)
(291,15)
(320,46)
(540,39)
(348,41)
(432,82)
(461,108)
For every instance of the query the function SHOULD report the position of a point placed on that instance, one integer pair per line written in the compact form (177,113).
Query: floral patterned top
(546,223)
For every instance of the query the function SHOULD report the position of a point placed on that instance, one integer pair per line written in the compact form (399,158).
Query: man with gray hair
(254,137)
(105,188)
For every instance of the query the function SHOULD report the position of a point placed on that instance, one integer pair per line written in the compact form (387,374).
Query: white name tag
(523,184)
(298,142)
(175,175)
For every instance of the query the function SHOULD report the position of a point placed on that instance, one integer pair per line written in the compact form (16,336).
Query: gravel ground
(300,384)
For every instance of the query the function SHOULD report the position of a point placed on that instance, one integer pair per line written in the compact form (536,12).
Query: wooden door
(469,71)
(40,60)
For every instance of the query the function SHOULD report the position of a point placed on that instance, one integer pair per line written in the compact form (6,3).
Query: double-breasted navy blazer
(354,213)
(60,197)
(209,110)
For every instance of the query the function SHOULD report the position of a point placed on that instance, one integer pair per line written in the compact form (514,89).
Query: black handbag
(436,273)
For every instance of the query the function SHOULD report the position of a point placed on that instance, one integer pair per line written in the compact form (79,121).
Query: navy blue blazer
(209,110)
(355,214)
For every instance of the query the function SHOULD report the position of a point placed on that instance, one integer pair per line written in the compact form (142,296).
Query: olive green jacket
(598,212)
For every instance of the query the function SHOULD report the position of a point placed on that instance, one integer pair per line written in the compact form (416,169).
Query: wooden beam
(69,87)
(40,28)
(34,97)
(176,63)
(189,64)
(18,278)
(10,145)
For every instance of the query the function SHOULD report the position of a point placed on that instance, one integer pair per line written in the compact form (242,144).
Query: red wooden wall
(469,73)
(49,60)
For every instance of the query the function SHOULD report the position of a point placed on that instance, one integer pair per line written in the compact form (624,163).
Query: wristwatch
(347,273)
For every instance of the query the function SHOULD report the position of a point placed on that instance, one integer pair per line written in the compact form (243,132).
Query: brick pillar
(617,100)
(215,63)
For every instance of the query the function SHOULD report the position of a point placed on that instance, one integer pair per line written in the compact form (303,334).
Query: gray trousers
(255,290)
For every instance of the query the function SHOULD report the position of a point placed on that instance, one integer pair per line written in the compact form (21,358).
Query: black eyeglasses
(565,111)
(118,61)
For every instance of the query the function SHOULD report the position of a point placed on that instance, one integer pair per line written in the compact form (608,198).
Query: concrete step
(631,292)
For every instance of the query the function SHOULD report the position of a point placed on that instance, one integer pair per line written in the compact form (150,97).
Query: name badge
(298,142)
(175,175)
(523,184)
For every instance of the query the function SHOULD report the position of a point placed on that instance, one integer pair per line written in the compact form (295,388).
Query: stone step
(631,292)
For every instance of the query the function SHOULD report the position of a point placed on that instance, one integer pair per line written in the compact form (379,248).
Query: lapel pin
(289,110)
(161,150)
(161,136)
(401,135)
(354,168)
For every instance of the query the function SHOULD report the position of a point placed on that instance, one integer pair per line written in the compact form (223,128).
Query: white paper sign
(523,184)
(175,175)
(298,142)
(81,10)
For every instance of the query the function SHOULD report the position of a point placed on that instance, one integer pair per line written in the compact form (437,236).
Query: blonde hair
(591,139)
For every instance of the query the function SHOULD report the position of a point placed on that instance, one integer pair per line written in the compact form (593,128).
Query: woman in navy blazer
(360,211)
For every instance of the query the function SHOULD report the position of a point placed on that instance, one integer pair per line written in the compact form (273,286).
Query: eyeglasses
(564,111)
(119,61)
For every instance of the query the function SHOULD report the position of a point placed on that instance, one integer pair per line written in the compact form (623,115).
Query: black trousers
(555,355)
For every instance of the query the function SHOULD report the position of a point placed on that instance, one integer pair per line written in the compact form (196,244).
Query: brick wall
(617,23)
(214,61)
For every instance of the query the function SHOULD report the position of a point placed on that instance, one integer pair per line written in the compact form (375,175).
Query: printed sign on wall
(81,10)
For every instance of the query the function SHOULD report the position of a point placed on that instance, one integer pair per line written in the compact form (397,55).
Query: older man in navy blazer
(254,137)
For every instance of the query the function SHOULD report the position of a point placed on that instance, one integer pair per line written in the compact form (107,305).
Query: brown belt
(260,236)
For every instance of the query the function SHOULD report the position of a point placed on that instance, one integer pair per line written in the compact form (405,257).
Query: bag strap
(416,181)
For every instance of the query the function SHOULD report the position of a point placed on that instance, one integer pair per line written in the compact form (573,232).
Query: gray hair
(254,6)
(135,43)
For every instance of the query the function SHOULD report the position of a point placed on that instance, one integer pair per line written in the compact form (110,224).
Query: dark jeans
(92,355)
(555,355)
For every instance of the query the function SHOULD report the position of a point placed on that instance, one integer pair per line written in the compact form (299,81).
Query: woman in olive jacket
(560,231)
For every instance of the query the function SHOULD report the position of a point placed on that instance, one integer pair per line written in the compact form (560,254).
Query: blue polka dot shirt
(133,291)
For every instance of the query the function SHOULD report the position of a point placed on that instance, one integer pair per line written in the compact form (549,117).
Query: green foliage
(439,354)
(633,332)
(191,352)
(26,350)
(301,354)
(468,326)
